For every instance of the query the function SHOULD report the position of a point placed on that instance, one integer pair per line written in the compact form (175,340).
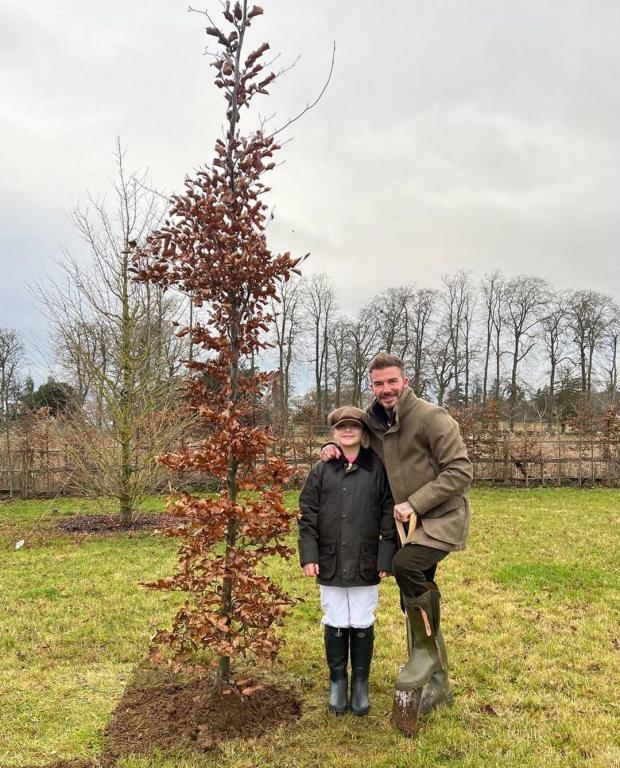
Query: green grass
(531,619)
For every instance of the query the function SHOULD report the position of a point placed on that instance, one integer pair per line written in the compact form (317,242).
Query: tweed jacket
(346,523)
(427,465)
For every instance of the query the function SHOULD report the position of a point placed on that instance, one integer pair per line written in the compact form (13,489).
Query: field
(531,619)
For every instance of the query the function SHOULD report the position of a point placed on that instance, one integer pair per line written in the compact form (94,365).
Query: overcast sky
(455,134)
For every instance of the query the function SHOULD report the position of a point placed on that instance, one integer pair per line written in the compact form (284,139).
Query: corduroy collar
(404,404)
(364,459)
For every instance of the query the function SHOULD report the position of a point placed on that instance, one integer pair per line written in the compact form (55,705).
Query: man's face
(387,385)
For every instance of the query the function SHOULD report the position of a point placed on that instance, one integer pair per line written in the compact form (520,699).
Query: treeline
(535,349)
(121,352)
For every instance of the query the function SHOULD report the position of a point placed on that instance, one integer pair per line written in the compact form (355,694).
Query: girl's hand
(311,569)
(384,574)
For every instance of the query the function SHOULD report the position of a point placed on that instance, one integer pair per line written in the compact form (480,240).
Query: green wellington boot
(437,691)
(337,655)
(424,659)
(362,642)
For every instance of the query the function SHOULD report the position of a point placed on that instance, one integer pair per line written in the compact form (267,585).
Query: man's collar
(382,414)
(387,418)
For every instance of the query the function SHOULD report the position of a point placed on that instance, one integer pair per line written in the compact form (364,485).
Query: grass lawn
(531,620)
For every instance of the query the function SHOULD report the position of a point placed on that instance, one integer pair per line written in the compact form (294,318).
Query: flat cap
(346,414)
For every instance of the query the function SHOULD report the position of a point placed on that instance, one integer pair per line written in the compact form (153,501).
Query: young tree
(213,247)
(117,344)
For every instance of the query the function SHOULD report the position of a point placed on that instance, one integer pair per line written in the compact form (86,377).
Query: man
(429,474)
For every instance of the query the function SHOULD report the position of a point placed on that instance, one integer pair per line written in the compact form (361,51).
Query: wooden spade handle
(405,538)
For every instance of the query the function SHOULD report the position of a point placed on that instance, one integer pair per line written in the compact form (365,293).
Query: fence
(41,467)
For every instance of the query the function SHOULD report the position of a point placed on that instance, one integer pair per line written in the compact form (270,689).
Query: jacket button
(344,543)
(343,517)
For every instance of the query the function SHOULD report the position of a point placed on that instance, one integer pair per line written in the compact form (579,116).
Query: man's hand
(330,452)
(311,569)
(403,511)
(385,574)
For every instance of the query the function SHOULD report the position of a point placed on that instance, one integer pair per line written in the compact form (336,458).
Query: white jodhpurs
(349,606)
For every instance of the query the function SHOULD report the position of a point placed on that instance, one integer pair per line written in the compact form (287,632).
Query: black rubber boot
(337,654)
(362,642)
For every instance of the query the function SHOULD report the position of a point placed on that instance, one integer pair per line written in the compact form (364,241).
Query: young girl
(347,540)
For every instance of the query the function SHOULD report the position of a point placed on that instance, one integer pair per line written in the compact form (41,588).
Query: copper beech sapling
(213,248)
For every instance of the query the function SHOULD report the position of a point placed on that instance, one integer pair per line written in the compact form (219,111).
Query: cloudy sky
(475,134)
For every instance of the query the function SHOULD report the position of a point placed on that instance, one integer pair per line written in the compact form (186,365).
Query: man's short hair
(383,360)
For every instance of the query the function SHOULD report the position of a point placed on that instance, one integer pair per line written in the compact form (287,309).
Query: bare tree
(391,310)
(286,309)
(320,306)
(554,326)
(339,343)
(118,338)
(458,300)
(612,335)
(364,344)
(525,300)
(11,359)
(441,362)
(422,305)
(492,292)
(588,317)
(470,347)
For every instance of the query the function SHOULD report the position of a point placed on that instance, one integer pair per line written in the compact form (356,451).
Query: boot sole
(448,701)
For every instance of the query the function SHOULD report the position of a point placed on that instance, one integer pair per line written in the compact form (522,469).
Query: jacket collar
(364,459)
(405,403)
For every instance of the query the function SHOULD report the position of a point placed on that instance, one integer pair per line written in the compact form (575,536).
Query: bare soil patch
(163,710)
(105,524)
(68,764)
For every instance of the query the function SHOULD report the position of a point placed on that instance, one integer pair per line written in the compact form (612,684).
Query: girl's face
(348,435)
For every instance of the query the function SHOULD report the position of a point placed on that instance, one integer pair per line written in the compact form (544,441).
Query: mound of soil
(107,524)
(69,764)
(164,710)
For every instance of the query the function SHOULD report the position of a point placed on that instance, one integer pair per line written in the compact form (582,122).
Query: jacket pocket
(327,559)
(368,560)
